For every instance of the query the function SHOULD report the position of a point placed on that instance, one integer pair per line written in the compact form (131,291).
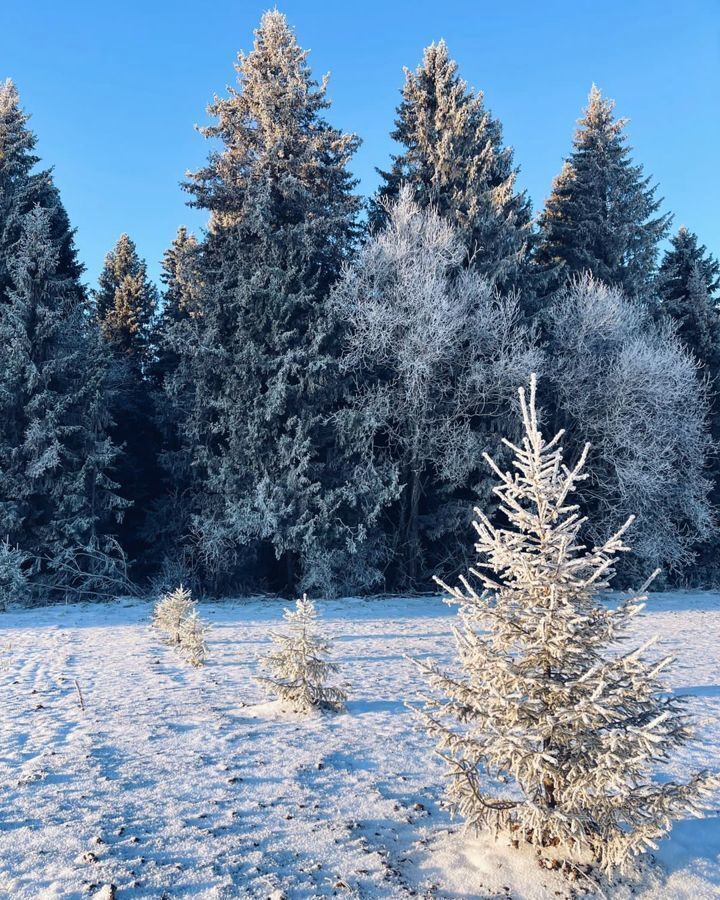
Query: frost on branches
(169,612)
(191,638)
(299,665)
(569,734)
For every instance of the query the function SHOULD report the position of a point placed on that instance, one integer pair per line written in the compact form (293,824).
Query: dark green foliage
(257,380)
(601,216)
(57,498)
(688,284)
(125,305)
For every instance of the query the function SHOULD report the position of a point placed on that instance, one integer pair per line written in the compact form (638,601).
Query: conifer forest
(477,438)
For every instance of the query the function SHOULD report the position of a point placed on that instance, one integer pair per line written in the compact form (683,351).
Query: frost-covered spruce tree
(22,187)
(176,615)
(57,497)
(179,276)
(299,666)
(125,301)
(125,306)
(684,254)
(436,354)
(182,288)
(167,523)
(454,160)
(688,288)
(550,735)
(259,380)
(602,214)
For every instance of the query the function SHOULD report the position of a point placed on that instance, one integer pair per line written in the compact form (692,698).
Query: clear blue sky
(114,90)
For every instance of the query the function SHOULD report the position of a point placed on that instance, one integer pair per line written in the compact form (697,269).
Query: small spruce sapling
(170,611)
(569,734)
(176,615)
(192,643)
(299,665)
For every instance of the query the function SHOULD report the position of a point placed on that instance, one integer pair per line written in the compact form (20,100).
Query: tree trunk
(413,529)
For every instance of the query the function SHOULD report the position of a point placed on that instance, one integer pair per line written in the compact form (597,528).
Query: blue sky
(115,89)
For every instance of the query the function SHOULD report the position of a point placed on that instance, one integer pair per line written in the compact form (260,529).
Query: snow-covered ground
(176,782)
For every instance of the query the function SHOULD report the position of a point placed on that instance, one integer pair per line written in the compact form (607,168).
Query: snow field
(181,782)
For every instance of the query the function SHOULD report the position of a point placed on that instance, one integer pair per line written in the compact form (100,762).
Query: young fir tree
(299,666)
(454,160)
(601,216)
(22,188)
(258,380)
(550,735)
(193,639)
(125,307)
(176,615)
(57,499)
(171,610)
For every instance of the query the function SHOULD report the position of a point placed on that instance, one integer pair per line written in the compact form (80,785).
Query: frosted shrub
(173,570)
(299,665)
(14,586)
(548,737)
(630,388)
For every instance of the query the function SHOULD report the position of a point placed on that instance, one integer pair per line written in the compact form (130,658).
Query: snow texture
(172,782)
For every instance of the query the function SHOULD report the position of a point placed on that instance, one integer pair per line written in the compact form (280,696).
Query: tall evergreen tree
(125,305)
(454,159)
(179,277)
(56,496)
(125,302)
(258,375)
(168,521)
(181,301)
(181,297)
(688,287)
(602,215)
(22,188)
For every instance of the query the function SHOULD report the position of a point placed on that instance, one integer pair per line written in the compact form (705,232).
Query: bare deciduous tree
(630,388)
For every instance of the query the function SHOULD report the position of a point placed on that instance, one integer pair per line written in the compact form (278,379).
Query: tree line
(305,403)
